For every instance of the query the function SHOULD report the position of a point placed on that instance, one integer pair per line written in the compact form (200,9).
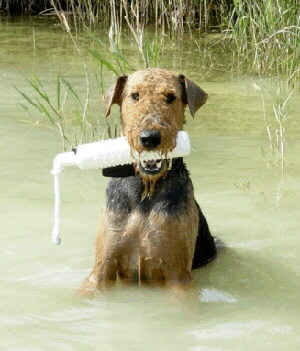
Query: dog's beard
(150,172)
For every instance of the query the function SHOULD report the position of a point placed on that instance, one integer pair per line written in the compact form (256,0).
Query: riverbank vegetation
(257,37)
(261,36)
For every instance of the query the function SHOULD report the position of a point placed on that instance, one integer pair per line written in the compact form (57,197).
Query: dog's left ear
(114,94)
(192,94)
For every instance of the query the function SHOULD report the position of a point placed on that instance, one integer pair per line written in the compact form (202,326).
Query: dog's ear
(113,94)
(192,95)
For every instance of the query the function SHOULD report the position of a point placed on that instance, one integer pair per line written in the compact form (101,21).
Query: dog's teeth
(151,165)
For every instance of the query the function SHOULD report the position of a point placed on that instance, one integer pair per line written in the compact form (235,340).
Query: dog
(152,230)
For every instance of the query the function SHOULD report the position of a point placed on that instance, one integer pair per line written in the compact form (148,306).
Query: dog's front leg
(105,269)
(108,243)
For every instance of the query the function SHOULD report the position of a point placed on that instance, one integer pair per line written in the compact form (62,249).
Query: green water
(248,298)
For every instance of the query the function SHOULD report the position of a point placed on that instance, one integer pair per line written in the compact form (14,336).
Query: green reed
(261,36)
(276,121)
(66,111)
(264,36)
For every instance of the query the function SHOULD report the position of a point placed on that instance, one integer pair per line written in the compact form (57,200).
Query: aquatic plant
(280,110)
(75,125)
(170,15)
(265,36)
(261,36)
(276,125)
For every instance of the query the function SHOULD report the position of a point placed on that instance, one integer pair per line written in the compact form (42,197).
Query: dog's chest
(155,232)
(152,243)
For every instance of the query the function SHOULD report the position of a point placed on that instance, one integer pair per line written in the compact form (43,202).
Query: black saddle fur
(171,198)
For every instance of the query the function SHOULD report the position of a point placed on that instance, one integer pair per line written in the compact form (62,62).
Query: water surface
(248,298)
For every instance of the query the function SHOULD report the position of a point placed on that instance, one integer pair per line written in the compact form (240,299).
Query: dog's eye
(170,98)
(135,96)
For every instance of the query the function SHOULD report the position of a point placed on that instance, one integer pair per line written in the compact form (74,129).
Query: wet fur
(156,240)
(161,237)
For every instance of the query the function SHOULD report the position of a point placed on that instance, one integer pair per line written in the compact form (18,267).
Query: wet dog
(152,229)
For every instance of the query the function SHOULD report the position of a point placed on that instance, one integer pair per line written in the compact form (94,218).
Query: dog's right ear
(113,94)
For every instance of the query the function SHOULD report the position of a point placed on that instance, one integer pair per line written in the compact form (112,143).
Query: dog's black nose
(150,138)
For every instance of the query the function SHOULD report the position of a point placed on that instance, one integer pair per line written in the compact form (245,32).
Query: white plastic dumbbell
(104,154)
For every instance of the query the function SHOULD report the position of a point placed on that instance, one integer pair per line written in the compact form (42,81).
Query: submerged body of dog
(153,229)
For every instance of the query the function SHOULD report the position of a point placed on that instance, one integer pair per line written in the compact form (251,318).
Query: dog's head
(152,104)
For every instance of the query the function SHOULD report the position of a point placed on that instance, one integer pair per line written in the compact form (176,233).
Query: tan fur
(150,247)
(151,111)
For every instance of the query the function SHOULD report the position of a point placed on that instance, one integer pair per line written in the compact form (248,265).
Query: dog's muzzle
(151,139)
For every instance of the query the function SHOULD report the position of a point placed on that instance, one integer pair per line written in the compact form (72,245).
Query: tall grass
(262,36)
(265,36)
(276,122)
(171,15)
(76,125)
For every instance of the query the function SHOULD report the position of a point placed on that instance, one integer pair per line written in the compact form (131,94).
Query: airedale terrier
(153,229)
